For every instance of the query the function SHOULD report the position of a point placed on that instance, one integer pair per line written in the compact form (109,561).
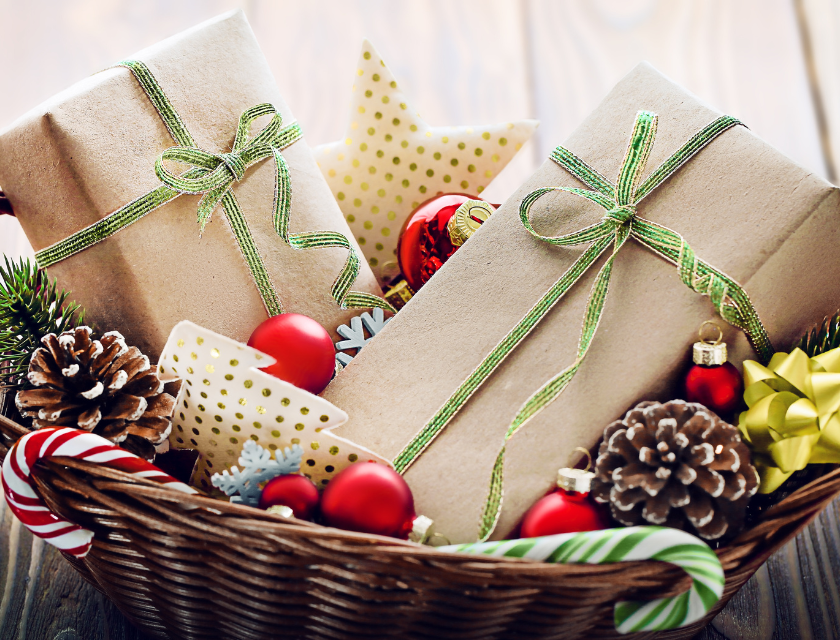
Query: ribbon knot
(621,214)
(234,163)
(213,174)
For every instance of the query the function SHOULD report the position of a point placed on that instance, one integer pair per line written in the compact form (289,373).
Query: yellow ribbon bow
(792,420)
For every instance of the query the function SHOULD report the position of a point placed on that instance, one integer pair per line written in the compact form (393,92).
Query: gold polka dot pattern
(390,159)
(237,399)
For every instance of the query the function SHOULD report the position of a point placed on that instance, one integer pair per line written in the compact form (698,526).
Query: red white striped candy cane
(44,443)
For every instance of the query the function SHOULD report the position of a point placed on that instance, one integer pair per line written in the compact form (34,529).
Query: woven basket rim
(134,520)
(114,480)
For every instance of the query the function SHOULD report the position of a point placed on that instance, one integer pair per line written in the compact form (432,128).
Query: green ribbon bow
(793,418)
(620,223)
(213,175)
(216,172)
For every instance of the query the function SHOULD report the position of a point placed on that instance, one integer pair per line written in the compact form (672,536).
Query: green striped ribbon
(212,175)
(619,224)
(625,545)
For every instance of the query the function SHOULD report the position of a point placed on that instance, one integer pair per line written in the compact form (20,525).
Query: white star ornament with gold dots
(390,160)
(225,399)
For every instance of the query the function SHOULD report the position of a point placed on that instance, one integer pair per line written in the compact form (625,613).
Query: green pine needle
(821,338)
(30,307)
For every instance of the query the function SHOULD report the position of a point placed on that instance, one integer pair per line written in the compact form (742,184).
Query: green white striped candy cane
(689,553)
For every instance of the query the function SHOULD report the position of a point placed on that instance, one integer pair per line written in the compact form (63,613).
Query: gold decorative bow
(792,420)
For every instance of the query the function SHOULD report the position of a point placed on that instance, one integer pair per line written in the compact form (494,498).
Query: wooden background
(773,63)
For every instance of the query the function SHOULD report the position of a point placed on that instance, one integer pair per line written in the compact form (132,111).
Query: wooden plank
(43,598)
(58,43)
(17,562)
(750,615)
(459,63)
(748,67)
(821,26)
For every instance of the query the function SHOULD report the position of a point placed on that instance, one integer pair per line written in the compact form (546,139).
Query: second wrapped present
(582,296)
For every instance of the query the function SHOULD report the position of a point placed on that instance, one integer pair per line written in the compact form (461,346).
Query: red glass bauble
(370,498)
(718,387)
(424,243)
(563,512)
(294,491)
(304,350)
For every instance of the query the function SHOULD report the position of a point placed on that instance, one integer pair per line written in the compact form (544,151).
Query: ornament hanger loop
(584,452)
(710,323)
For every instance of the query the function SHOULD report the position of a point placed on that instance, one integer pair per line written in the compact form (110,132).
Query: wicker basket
(181,566)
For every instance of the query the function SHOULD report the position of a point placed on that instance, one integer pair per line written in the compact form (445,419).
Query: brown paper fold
(744,208)
(91,149)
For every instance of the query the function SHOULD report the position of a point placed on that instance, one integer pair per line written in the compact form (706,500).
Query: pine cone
(103,386)
(675,464)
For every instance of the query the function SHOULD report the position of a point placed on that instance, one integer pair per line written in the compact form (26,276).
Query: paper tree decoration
(390,160)
(225,400)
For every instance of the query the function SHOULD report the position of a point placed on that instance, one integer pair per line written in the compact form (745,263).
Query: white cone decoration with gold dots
(390,160)
(225,400)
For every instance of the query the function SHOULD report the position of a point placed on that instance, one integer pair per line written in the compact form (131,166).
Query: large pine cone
(103,386)
(675,464)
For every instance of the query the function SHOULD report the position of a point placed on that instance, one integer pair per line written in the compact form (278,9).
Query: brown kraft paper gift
(91,149)
(743,207)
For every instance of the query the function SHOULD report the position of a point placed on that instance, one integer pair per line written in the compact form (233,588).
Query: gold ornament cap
(577,480)
(467,219)
(423,532)
(710,354)
(399,294)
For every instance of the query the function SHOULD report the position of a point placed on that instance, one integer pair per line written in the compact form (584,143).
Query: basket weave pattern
(181,566)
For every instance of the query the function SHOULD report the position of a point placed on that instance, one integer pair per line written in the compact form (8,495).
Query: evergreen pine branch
(30,307)
(821,338)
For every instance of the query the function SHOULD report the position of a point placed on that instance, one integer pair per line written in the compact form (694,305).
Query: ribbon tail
(549,392)
(341,286)
(729,298)
(249,250)
(491,362)
(207,205)
(362,300)
(282,209)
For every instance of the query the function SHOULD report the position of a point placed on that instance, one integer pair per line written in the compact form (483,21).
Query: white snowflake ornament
(257,467)
(226,400)
(354,335)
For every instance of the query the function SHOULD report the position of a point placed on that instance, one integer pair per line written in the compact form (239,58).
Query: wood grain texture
(43,598)
(475,61)
(822,23)
(742,57)
(457,64)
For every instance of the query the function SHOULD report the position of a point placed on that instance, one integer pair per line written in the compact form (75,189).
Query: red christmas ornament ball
(370,498)
(424,243)
(304,350)
(563,512)
(294,491)
(718,387)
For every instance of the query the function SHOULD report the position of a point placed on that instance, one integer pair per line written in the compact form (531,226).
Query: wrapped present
(177,186)
(582,296)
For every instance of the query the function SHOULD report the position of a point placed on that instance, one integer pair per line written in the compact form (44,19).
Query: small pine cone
(675,464)
(103,386)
